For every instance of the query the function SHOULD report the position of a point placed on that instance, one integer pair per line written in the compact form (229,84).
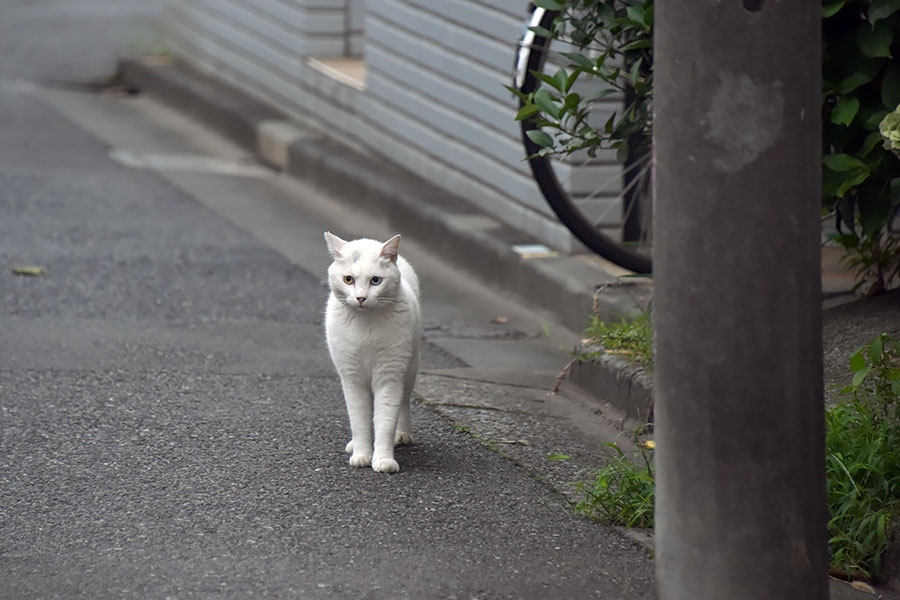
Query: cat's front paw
(360,460)
(402,438)
(349,447)
(385,465)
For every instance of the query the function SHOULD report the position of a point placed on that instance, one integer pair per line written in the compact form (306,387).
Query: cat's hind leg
(403,435)
(404,425)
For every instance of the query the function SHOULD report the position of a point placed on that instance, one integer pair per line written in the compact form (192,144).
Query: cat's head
(364,273)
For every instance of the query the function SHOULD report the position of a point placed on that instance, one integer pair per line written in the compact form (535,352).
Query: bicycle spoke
(638,179)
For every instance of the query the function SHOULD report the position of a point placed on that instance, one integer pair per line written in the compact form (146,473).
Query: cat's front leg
(359,409)
(388,400)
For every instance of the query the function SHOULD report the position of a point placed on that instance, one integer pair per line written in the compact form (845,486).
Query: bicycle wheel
(572,203)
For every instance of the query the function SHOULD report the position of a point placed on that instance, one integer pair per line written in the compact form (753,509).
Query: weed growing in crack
(624,490)
(630,339)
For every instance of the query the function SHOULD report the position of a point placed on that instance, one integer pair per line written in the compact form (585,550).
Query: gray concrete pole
(737,305)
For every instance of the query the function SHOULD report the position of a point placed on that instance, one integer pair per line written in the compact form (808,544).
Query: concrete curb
(563,286)
(627,387)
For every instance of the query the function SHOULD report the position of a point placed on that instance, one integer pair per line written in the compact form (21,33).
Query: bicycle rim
(634,257)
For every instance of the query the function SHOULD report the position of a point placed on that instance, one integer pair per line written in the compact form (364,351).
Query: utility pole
(740,511)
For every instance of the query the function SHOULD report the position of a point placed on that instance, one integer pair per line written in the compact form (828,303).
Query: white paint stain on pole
(744,118)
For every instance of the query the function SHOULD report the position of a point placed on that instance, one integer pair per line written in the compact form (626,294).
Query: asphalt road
(170,426)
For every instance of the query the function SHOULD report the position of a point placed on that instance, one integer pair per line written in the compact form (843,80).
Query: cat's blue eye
(375,280)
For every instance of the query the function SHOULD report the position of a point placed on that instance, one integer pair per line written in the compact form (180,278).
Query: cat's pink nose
(360,300)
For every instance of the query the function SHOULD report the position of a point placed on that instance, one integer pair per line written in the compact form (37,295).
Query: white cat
(372,325)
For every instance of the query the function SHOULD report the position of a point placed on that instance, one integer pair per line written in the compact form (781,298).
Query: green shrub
(861,86)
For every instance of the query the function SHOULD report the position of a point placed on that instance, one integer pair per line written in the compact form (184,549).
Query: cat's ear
(391,248)
(335,244)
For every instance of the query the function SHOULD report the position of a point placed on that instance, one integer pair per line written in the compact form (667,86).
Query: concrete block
(273,139)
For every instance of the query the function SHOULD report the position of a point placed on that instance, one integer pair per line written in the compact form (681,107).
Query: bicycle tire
(532,54)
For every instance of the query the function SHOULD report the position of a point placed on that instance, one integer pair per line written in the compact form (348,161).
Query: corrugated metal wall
(433,99)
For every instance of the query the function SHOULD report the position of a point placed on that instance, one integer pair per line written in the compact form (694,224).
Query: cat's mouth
(356,305)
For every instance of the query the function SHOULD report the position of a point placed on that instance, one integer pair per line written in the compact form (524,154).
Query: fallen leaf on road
(158,60)
(501,320)
(863,587)
(29,270)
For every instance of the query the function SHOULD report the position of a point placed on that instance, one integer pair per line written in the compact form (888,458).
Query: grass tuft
(623,491)
(862,462)
(630,339)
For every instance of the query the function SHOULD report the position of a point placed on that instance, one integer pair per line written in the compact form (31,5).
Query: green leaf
(559,80)
(873,118)
(875,41)
(843,162)
(875,349)
(857,360)
(882,9)
(622,152)
(545,102)
(548,79)
(604,93)
(648,17)
(580,60)
(540,138)
(874,211)
(845,109)
(571,101)
(570,81)
(872,140)
(890,87)
(550,4)
(636,71)
(847,240)
(830,9)
(517,93)
(854,80)
(859,376)
(608,126)
(530,109)
(636,14)
(541,31)
(606,14)
(851,182)
(558,457)
(850,68)
(637,45)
